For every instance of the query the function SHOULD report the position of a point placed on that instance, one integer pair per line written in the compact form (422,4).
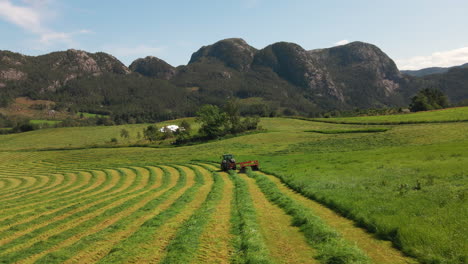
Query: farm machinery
(229,163)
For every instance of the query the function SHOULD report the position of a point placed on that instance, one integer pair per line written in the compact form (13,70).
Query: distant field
(41,122)
(407,185)
(89,115)
(344,131)
(74,137)
(445,115)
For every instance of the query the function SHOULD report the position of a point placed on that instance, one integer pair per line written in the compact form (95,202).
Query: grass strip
(36,189)
(41,182)
(249,243)
(74,204)
(185,244)
(42,245)
(66,253)
(346,131)
(125,249)
(74,188)
(331,247)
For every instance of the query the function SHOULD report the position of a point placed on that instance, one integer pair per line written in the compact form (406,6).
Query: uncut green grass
(445,115)
(371,178)
(76,137)
(43,121)
(332,248)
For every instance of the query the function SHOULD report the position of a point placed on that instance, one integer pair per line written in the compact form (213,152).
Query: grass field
(42,122)
(445,115)
(396,196)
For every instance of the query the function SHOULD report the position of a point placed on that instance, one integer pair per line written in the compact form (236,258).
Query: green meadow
(405,182)
(437,116)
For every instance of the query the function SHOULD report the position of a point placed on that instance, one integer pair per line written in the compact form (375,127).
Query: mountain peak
(153,67)
(233,52)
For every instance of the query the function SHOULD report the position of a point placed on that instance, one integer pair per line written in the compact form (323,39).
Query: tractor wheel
(255,168)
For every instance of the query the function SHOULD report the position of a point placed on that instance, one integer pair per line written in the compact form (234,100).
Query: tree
(151,133)
(185,127)
(124,133)
(428,99)
(233,116)
(212,120)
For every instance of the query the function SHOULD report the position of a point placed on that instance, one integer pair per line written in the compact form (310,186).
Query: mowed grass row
(37,184)
(331,247)
(40,239)
(119,183)
(379,251)
(56,211)
(95,245)
(39,225)
(249,243)
(140,246)
(59,210)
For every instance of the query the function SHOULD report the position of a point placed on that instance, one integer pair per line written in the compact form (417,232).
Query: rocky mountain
(153,67)
(234,53)
(353,75)
(280,77)
(431,70)
(52,71)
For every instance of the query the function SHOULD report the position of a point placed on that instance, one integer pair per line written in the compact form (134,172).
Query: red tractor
(229,163)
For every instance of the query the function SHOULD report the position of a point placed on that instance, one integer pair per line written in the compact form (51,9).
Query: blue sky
(416,33)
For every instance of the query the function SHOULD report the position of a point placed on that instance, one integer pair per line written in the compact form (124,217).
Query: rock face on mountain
(153,67)
(364,74)
(51,71)
(233,52)
(293,63)
(280,77)
(356,74)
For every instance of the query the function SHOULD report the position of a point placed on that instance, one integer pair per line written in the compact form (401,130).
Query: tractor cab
(228,162)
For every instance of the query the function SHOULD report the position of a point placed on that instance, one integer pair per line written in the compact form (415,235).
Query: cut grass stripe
(249,242)
(64,207)
(38,182)
(83,180)
(379,251)
(186,242)
(215,241)
(155,249)
(43,182)
(286,243)
(75,194)
(106,234)
(127,250)
(41,246)
(55,228)
(331,247)
(50,207)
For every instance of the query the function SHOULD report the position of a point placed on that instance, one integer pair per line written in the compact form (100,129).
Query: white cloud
(25,17)
(139,50)
(31,17)
(437,59)
(342,42)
